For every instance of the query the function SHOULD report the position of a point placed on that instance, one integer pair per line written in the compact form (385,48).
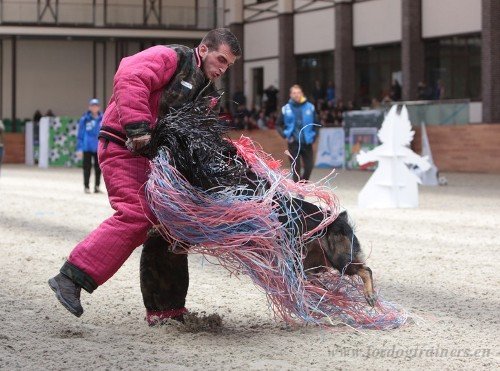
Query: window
(456,63)
(312,68)
(376,69)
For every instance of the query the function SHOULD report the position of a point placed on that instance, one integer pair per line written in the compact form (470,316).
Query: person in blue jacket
(297,124)
(86,148)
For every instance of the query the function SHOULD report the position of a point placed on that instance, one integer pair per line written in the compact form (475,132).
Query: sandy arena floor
(439,261)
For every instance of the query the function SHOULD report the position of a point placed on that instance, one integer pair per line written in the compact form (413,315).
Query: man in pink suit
(146,86)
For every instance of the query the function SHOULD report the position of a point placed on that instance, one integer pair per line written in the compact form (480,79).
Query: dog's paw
(371,299)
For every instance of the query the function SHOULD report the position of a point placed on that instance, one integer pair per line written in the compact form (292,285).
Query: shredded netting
(230,200)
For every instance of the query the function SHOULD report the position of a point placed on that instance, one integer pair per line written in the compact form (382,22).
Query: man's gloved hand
(138,144)
(139,136)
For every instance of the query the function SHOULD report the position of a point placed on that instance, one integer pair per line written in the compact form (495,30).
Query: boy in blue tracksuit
(86,148)
(296,123)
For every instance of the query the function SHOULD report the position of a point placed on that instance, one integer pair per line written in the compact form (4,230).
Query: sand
(439,261)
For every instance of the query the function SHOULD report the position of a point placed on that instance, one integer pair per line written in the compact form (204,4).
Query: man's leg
(87,165)
(307,157)
(97,172)
(94,260)
(293,148)
(164,281)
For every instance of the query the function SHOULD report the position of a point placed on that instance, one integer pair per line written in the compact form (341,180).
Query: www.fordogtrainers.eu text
(412,352)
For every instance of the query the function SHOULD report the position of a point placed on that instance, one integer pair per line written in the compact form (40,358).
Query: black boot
(68,285)
(68,293)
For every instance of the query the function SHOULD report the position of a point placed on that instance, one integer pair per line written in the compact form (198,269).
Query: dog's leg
(366,275)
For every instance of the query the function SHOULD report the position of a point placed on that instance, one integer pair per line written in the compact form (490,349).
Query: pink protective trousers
(105,249)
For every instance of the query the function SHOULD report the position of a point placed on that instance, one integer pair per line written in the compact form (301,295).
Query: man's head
(218,50)
(296,93)
(94,106)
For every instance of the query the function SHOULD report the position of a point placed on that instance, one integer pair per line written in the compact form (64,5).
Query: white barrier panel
(429,177)
(43,160)
(29,156)
(331,148)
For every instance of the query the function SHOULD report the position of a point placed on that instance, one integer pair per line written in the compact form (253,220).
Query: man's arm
(317,121)
(81,133)
(280,125)
(136,79)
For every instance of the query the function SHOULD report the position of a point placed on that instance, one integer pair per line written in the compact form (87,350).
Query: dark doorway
(257,86)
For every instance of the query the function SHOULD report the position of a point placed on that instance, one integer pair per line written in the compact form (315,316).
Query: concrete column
(344,53)
(286,57)
(412,48)
(490,66)
(235,21)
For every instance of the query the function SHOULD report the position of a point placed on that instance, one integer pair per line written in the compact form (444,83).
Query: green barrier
(62,142)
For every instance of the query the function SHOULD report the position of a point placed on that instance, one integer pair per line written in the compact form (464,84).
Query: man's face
(296,94)
(94,108)
(216,62)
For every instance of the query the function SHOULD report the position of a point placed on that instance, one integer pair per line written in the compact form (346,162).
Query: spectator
(318,94)
(439,91)
(86,147)
(375,104)
(238,99)
(296,123)
(262,120)
(395,93)
(330,94)
(226,117)
(351,106)
(424,91)
(271,121)
(338,113)
(36,117)
(36,128)
(271,99)
(242,118)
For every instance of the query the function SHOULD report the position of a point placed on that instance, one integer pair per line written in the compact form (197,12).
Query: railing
(111,13)
(435,112)
(438,112)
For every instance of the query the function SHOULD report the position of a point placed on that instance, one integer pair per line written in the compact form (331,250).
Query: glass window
(453,67)
(376,69)
(312,68)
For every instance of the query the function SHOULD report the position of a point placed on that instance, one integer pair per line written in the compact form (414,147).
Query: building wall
(463,148)
(271,73)
(261,39)
(377,22)
(260,49)
(314,31)
(6,78)
(123,12)
(75,11)
(53,74)
(449,17)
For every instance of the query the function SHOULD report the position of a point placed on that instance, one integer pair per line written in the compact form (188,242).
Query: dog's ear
(343,217)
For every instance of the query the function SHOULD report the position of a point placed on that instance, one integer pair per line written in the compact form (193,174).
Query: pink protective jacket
(138,85)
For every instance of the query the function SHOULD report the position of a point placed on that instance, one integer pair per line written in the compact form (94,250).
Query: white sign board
(331,148)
